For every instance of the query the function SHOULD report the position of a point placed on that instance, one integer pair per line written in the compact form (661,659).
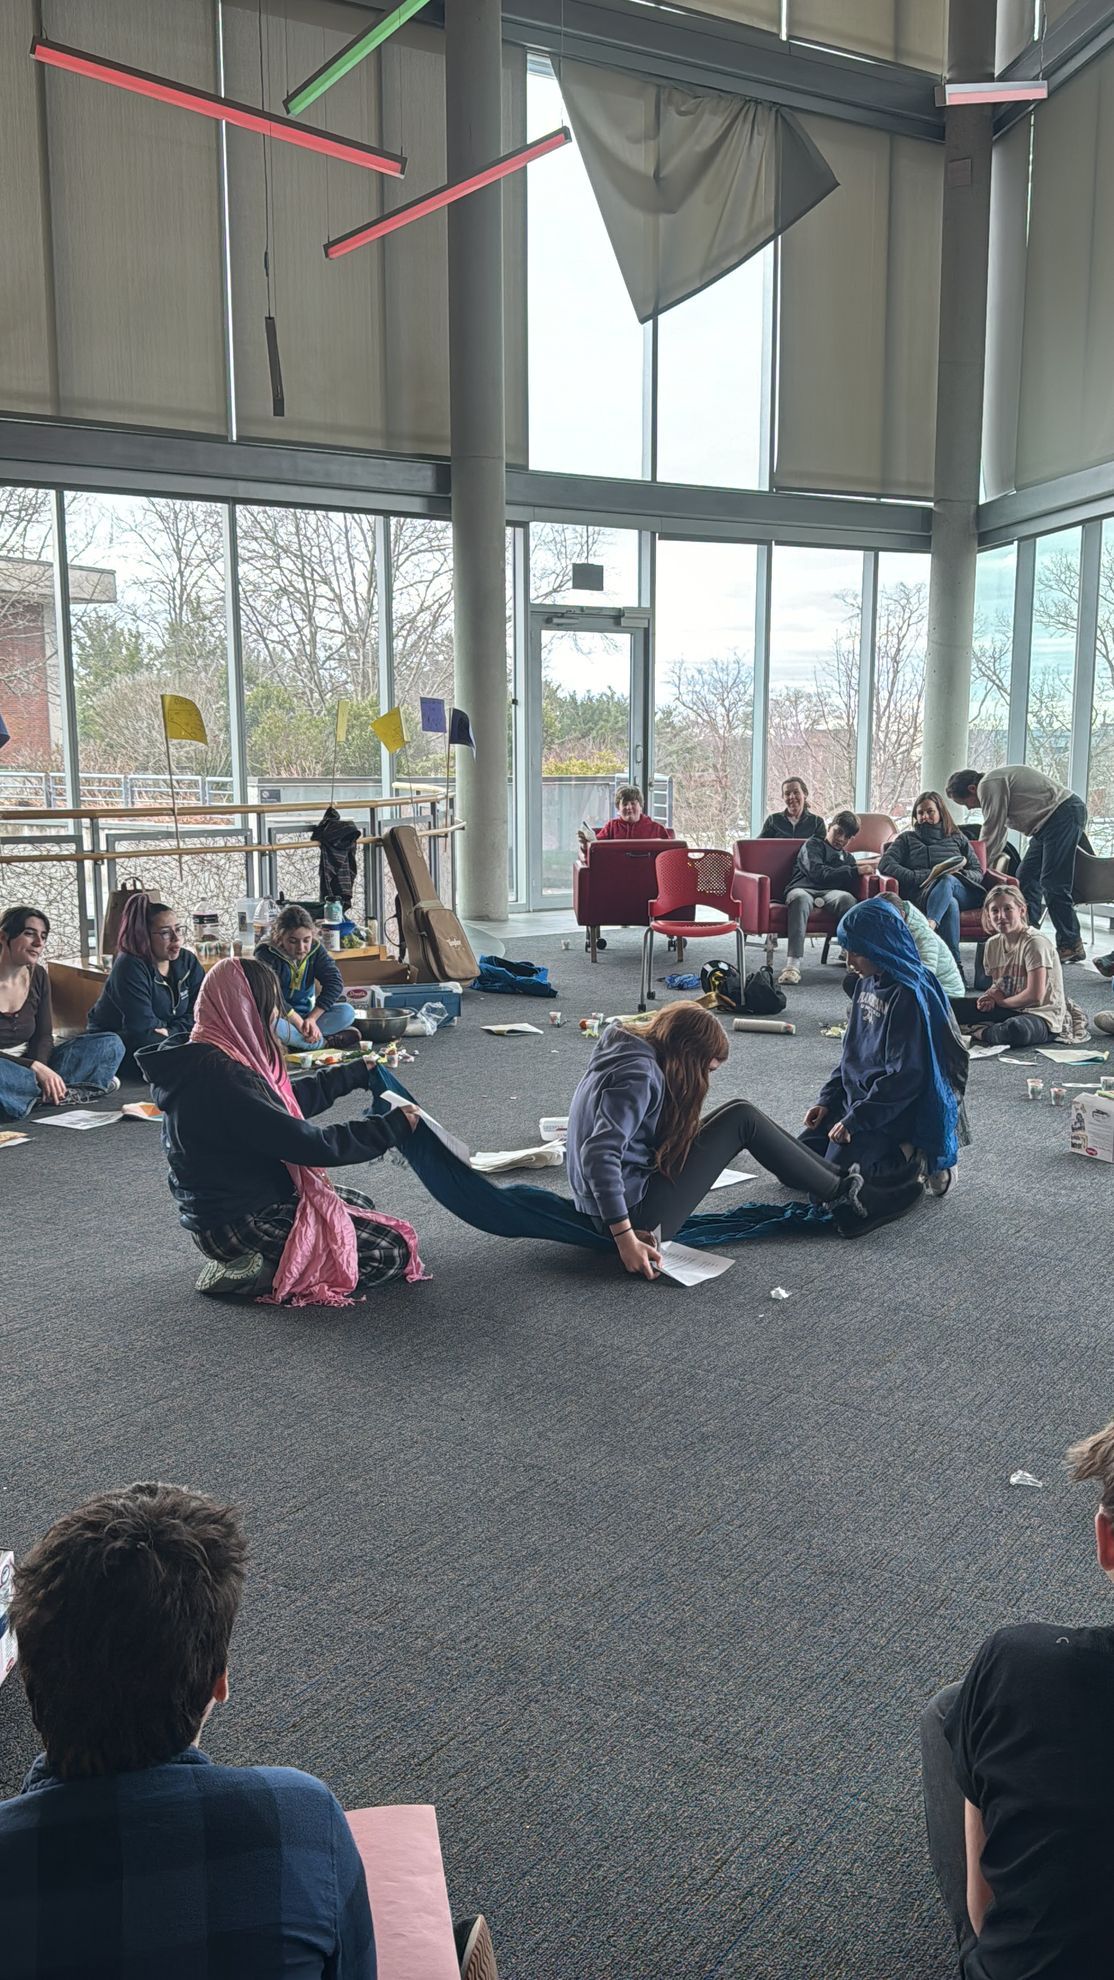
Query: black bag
(762,998)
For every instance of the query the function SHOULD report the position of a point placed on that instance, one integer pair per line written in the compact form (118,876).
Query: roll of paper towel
(763,1024)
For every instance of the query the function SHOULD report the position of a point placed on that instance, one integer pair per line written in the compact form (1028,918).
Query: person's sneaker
(790,974)
(80,1096)
(1070,952)
(475,1949)
(234,1278)
(342,1041)
(113,1086)
(939,1183)
(1104,1021)
(862,1206)
(1104,964)
(954,863)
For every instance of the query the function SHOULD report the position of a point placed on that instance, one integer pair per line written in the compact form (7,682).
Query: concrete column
(959,398)
(474,134)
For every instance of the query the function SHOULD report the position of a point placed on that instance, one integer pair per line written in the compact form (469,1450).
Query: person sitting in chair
(795,821)
(631,821)
(824,876)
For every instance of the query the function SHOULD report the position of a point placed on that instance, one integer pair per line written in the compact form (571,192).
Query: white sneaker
(791,973)
(113,1086)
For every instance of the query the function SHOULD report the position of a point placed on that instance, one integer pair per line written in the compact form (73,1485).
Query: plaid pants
(381,1254)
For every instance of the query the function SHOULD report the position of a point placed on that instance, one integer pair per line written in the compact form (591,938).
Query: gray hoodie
(611,1147)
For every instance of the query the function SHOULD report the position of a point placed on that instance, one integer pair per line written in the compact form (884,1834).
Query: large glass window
(585,356)
(422,615)
(557,548)
(1100,795)
(147,608)
(710,382)
(1052,665)
(814,673)
(704,686)
(992,656)
(31,701)
(897,724)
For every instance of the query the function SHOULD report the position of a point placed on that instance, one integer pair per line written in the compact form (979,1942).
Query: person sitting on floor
(1025,1003)
(1017,1763)
(153,984)
(127,1850)
(795,820)
(640,1158)
(935,866)
(630,822)
(824,876)
(897,1089)
(245,1163)
(34,1071)
(931,948)
(310,982)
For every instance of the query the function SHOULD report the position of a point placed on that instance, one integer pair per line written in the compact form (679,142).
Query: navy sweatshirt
(315,983)
(611,1145)
(228,1136)
(824,868)
(885,1063)
(136,1002)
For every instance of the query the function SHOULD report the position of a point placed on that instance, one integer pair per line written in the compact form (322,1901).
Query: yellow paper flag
(181,719)
(391,730)
(344,709)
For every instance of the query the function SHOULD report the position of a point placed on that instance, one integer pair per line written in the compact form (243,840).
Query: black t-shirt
(1032,1736)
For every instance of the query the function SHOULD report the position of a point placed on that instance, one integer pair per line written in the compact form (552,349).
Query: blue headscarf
(874,930)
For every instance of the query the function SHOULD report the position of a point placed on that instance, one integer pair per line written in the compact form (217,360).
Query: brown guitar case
(431,937)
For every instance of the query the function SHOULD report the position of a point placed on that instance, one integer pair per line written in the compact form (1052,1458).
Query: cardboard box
(1092,1126)
(7,1633)
(411,997)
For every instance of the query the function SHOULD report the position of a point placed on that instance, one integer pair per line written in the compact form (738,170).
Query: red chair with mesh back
(688,879)
(763,868)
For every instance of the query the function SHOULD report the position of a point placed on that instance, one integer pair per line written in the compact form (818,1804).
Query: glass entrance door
(584,732)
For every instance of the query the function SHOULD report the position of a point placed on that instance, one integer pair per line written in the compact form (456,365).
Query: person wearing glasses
(153,984)
(34,1071)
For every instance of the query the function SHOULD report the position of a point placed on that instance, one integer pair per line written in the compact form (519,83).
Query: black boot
(863,1206)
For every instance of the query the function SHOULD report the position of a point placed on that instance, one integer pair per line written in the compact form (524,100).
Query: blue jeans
(338,1018)
(1047,871)
(943,902)
(90,1060)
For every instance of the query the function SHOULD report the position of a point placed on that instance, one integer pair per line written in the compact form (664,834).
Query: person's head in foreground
(843,828)
(794,797)
(876,939)
(149,929)
(293,932)
(628,803)
(963,788)
(689,1043)
(240,1001)
(23,936)
(123,1613)
(1004,911)
(929,809)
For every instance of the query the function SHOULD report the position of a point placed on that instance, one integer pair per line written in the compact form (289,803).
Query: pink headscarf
(319,1264)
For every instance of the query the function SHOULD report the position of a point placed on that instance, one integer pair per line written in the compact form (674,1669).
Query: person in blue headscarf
(897,1091)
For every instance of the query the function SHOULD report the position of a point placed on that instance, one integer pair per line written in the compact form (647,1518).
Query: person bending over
(154,982)
(1056,823)
(824,876)
(310,982)
(935,866)
(795,820)
(1017,1763)
(127,1850)
(1025,1003)
(897,1089)
(34,1071)
(640,1158)
(630,822)
(245,1162)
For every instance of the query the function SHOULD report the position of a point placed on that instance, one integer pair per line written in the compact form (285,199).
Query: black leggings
(1020,1029)
(739,1128)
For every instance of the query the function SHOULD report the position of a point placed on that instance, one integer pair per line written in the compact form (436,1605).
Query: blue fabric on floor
(521,1210)
(514,979)
(681,980)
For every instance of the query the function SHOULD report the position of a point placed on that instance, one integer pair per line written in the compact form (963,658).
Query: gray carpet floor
(643,1587)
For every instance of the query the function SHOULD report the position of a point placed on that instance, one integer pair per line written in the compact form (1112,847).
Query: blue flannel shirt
(185,1871)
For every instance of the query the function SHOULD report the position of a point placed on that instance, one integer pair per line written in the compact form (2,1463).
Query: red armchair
(763,868)
(970,919)
(613,884)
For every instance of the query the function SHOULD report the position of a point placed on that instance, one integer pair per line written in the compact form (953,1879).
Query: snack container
(1035,1088)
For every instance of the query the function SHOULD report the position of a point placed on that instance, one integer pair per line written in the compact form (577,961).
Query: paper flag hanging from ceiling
(5,733)
(433,714)
(391,730)
(460,730)
(344,709)
(181,719)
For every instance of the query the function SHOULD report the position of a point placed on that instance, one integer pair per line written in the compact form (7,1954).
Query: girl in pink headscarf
(249,1171)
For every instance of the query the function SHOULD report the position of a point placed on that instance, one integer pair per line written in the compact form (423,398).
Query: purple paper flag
(460,730)
(433,714)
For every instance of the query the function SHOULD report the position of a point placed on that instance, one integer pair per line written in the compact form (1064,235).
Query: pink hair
(134,937)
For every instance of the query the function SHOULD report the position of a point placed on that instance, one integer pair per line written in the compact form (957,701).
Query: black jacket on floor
(228,1136)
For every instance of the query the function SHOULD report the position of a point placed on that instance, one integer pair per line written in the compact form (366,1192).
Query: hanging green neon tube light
(348,57)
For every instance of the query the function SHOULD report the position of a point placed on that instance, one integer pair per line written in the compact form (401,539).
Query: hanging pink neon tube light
(416,209)
(222,109)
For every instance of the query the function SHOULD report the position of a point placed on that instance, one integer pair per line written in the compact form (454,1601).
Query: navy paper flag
(4,734)
(460,730)
(433,714)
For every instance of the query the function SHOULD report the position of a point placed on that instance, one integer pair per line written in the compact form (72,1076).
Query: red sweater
(644,827)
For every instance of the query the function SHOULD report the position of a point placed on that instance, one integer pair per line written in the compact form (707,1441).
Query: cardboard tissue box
(7,1633)
(1092,1126)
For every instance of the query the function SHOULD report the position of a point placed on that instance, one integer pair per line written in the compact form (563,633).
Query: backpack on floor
(430,936)
(522,979)
(762,998)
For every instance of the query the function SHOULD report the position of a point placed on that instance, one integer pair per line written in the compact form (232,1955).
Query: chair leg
(741,958)
(651,993)
(593,938)
(824,951)
(646,941)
